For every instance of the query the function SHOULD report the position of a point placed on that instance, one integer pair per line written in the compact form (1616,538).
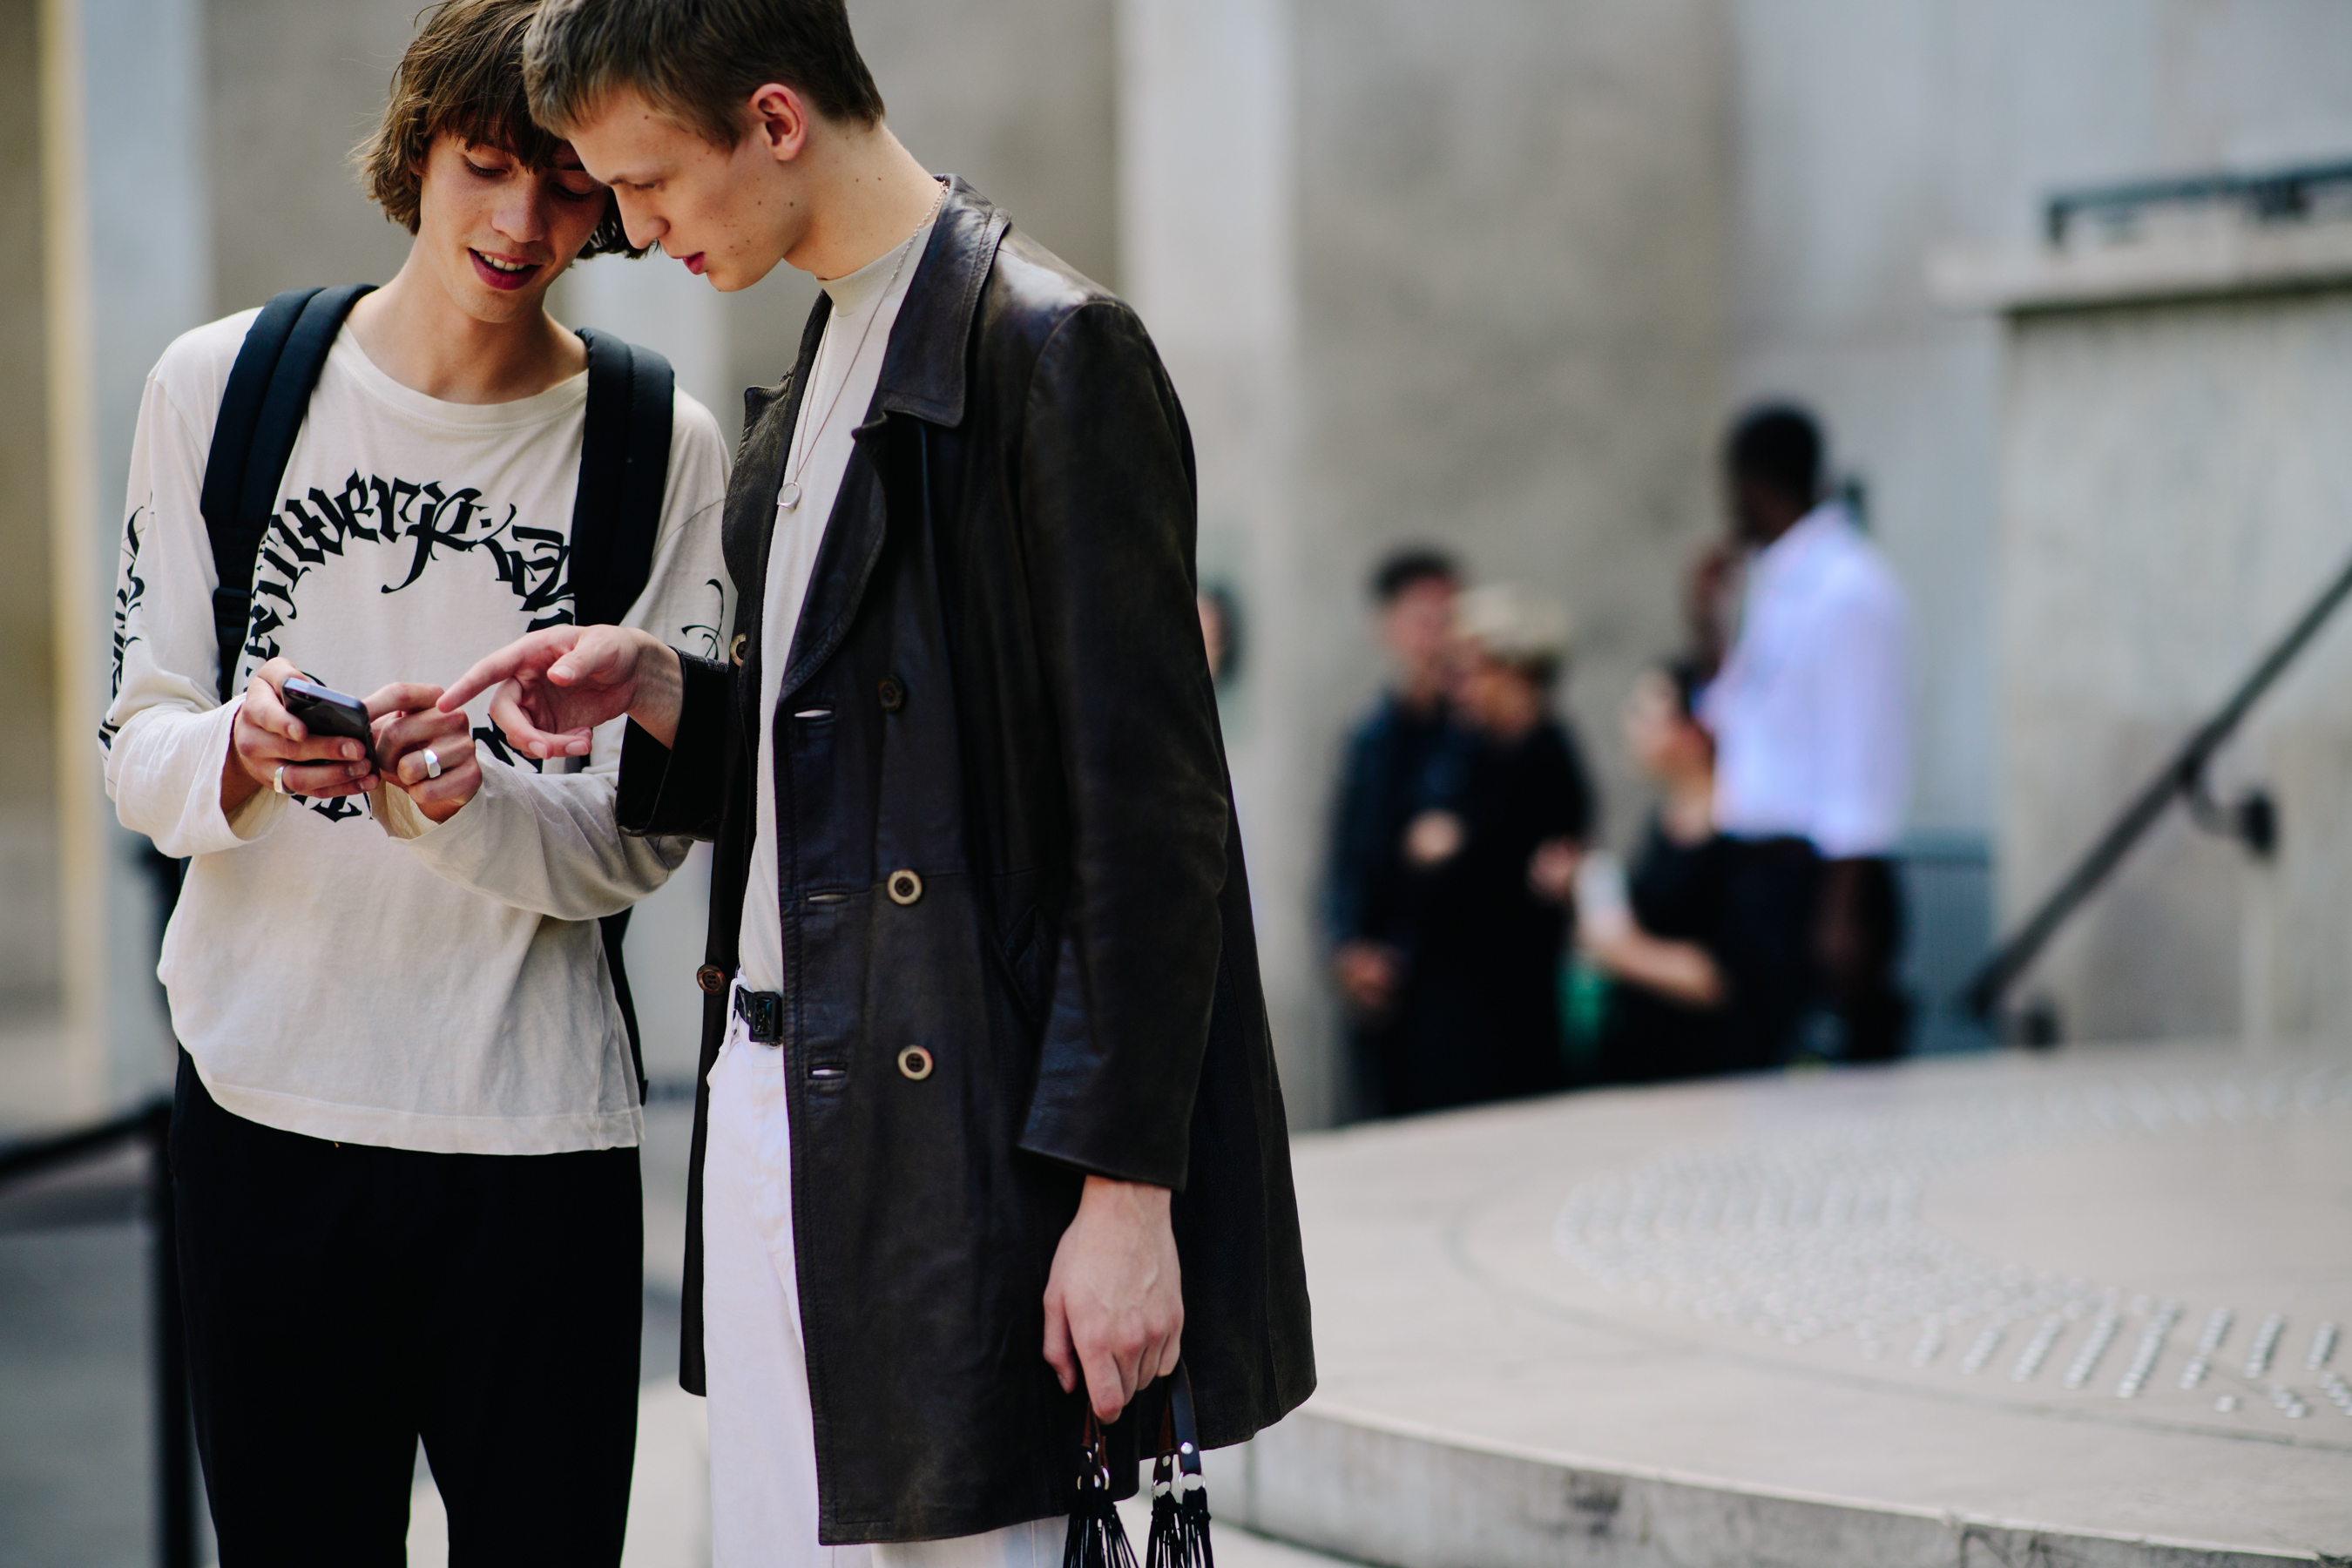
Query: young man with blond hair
(989,1130)
(405,1141)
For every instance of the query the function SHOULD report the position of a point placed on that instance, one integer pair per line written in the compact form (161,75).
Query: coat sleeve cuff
(1127,1115)
(674,790)
(1052,1137)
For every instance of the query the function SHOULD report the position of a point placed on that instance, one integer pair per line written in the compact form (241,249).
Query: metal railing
(173,1426)
(2253,819)
(2279,193)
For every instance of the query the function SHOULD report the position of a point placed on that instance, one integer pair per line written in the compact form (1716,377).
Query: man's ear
(779,118)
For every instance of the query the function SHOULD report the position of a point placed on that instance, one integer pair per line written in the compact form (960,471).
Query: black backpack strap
(260,414)
(624,468)
(615,520)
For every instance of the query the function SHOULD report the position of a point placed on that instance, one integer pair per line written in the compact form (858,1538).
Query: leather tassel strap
(1096,1538)
(1179,1499)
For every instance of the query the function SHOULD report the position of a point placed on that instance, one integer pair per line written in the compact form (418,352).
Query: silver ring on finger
(278,779)
(432,763)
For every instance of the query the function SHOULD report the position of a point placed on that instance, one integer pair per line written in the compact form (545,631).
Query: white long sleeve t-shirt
(344,968)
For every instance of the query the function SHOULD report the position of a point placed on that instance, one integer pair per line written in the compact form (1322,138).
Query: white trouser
(763,1508)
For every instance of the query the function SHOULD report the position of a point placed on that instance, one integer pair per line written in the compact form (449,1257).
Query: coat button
(893,694)
(916,1063)
(711,978)
(735,650)
(904,887)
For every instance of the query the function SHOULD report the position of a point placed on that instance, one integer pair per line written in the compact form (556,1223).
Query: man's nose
(639,221)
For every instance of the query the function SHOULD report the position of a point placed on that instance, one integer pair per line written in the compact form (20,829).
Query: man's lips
(694,263)
(500,277)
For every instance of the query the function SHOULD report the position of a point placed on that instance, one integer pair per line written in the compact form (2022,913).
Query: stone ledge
(2218,259)
(1381,1492)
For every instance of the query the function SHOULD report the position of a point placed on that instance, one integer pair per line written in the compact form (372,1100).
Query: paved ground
(76,1482)
(74,1465)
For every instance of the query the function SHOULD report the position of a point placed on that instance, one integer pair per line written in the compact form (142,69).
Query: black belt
(762,1013)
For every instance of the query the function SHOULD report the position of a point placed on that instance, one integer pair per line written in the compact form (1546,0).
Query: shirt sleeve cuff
(397,815)
(258,812)
(460,845)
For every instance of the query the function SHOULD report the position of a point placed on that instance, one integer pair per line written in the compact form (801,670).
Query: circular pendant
(789,497)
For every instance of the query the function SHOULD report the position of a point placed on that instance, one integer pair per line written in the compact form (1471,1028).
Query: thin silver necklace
(789,496)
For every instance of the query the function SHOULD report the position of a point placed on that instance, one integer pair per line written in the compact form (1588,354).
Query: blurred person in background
(1498,819)
(1656,932)
(1412,592)
(1812,747)
(404,1136)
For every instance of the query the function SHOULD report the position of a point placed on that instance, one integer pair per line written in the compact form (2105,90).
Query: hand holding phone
(324,711)
(311,749)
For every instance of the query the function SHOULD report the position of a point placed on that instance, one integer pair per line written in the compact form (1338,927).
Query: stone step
(1935,1316)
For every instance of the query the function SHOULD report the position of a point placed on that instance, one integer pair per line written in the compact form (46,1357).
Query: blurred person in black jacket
(1413,590)
(1499,817)
(1657,932)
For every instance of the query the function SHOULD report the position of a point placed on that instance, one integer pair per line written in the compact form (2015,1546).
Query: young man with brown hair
(405,1141)
(989,1127)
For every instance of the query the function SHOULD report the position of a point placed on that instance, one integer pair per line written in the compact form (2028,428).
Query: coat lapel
(923,375)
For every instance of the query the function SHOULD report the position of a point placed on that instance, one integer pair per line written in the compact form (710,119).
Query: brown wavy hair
(463,74)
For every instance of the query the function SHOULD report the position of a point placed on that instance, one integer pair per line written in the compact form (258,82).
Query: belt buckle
(762,1013)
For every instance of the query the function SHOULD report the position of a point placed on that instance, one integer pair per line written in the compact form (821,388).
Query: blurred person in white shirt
(1810,718)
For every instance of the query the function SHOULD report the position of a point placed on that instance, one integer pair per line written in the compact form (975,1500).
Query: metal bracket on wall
(2251,819)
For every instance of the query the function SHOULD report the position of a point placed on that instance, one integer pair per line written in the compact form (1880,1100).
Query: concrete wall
(1448,273)
(1511,273)
(2177,490)
(290,88)
(30,865)
(1869,133)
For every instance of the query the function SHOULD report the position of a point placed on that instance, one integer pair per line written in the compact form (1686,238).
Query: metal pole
(175,1458)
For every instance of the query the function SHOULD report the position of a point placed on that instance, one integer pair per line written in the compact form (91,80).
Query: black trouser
(1873,1015)
(1771,918)
(344,1301)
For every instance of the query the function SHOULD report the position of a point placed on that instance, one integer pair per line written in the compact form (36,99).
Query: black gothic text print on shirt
(422,523)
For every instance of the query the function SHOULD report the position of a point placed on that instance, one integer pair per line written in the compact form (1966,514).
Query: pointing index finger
(487,671)
(401,696)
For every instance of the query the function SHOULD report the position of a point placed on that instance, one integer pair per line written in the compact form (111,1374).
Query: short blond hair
(698,61)
(463,74)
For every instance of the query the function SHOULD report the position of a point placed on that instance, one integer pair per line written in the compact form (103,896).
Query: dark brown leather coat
(997,683)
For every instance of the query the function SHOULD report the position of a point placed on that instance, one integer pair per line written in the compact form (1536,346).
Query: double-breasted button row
(892,693)
(904,887)
(735,650)
(916,1063)
(711,978)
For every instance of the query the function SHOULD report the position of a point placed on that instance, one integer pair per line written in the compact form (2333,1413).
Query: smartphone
(327,712)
